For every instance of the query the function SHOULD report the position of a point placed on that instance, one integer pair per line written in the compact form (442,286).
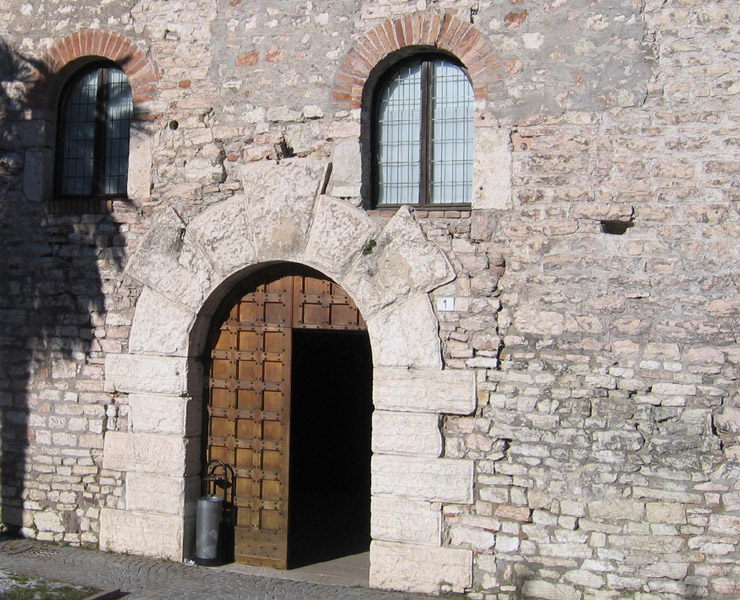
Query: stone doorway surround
(186,269)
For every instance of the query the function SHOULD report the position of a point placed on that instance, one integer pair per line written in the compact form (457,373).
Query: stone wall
(594,278)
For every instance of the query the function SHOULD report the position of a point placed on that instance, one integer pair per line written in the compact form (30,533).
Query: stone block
(401,263)
(474,538)
(406,433)
(160,326)
(665,512)
(151,413)
(338,234)
(432,479)
(346,173)
(166,455)
(146,373)
(656,544)
(585,578)
(492,168)
(229,248)
(423,390)
(617,509)
(169,262)
(152,492)
(48,521)
(423,569)
(36,183)
(146,534)
(402,520)
(280,200)
(139,181)
(405,335)
(544,590)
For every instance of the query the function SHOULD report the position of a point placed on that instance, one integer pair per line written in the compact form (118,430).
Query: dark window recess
(423,135)
(616,227)
(94,131)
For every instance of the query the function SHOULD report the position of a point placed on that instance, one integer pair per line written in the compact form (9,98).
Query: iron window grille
(423,151)
(93,135)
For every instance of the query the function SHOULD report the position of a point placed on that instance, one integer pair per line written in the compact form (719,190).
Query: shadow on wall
(53,273)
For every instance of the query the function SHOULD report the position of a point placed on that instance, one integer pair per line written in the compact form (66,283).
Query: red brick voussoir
(101,43)
(438,30)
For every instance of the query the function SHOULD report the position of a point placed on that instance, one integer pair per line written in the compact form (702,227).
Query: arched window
(93,134)
(423,150)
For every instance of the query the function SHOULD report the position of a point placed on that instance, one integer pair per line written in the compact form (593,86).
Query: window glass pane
(118,120)
(452,135)
(399,123)
(94,139)
(78,136)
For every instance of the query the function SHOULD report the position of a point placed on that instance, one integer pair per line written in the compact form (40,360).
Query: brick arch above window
(441,31)
(90,43)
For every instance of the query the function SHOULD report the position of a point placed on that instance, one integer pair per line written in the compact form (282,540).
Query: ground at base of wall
(14,586)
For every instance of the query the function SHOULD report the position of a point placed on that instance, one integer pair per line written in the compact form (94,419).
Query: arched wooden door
(249,406)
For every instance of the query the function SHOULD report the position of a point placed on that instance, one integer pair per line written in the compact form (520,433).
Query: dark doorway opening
(331,413)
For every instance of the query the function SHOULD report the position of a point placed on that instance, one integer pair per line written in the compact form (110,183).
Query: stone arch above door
(187,268)
(281,216)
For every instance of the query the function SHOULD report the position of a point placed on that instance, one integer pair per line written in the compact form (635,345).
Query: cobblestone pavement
(150,579)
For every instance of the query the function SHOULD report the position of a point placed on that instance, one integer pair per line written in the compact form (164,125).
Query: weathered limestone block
(400,263)
(406,433)
(160,326)
(346,173)
(168,262)
(147,534)
(146,373)
(35,180)
(665,512)
(48,521)
(403,520)
(151,413)
(229,248)
(433,479)
(166,455)
(539,322)
(280,200)
(139,181)
(473,537)
(423,390)
(422,569)
(616,509)
(156,493)
(492,168)
(405,335)
(585,578)
(535,588)
(338,234)
(658,544)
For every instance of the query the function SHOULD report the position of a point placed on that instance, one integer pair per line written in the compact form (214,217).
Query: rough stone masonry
(575,418)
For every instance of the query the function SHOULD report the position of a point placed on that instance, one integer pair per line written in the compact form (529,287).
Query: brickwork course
(568,431)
